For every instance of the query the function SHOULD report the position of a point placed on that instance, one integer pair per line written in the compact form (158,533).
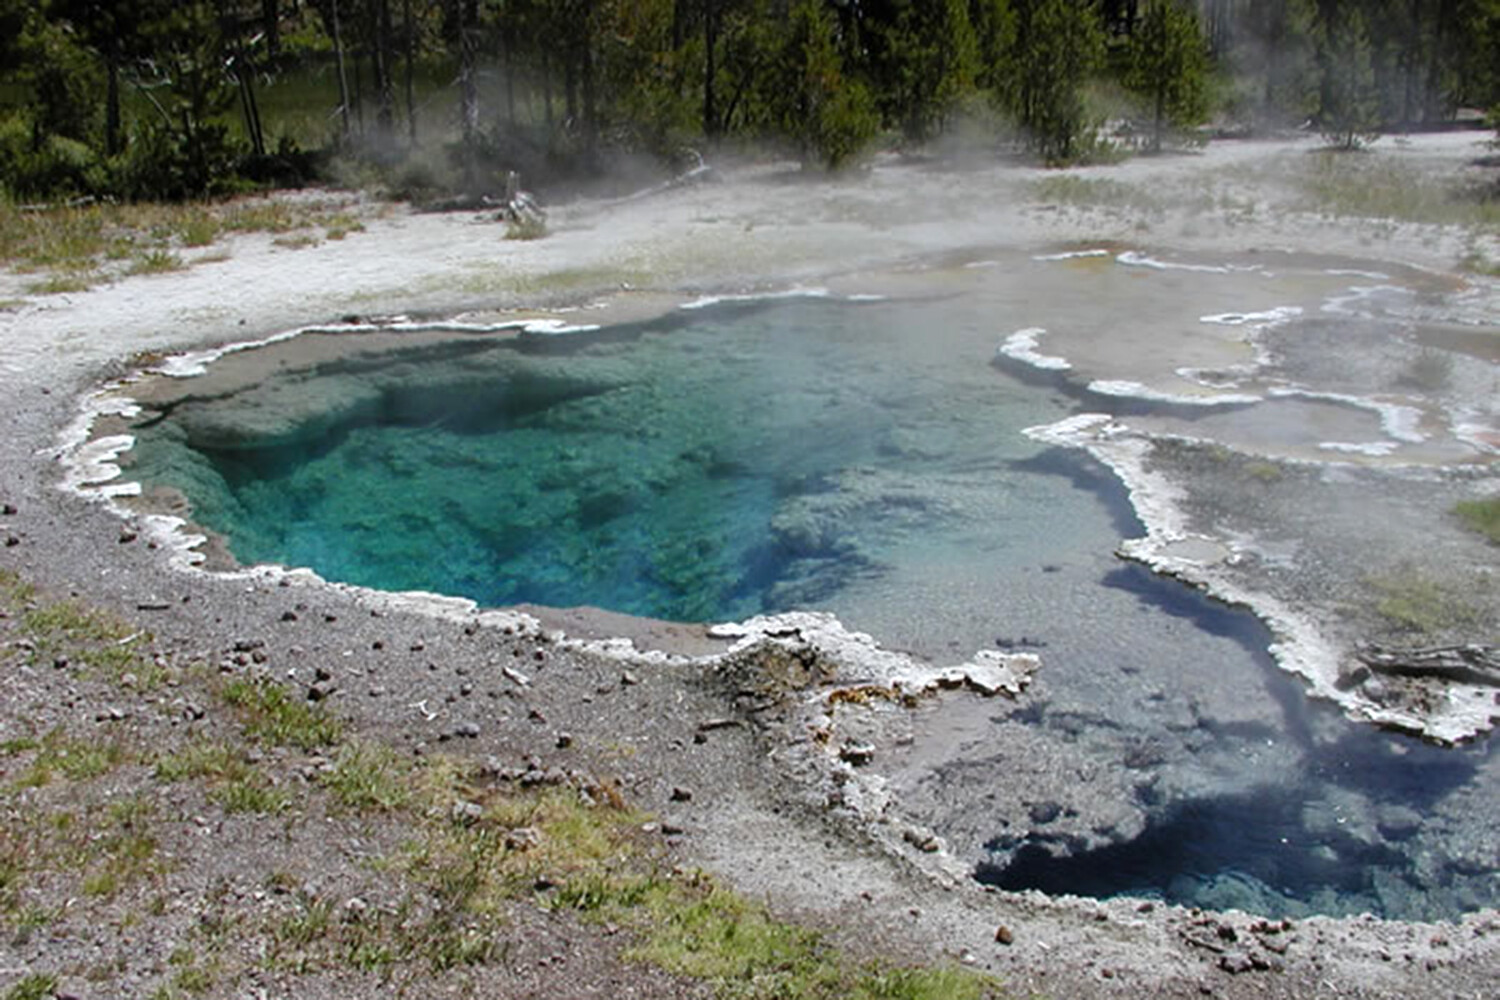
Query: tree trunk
(468,44)
(385,87)
(338,51)
(411,49)
(112,100)
(270,20)
(710,68)
(590,105)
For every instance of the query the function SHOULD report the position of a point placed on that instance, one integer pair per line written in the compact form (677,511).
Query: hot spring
(866,456)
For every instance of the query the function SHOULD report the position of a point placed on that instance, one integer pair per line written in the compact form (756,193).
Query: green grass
(156,262)
(1094,192)
(250,796)
(272,716)
(235,784)
(73,248)
(1376,186)
(1482,516)
(86,636)
(368,777)
(744,952)
(74,760)
(36,986)
(1411,601)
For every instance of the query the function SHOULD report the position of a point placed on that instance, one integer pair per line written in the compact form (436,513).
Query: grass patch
(1482,516)
(744,952)
(368,777)
(64,282)
(235,784)
(1093,192)
(1375,186)
(71,632)
(37,986)
(74,760)
(1410,601)
(272,716)
(156,262)
(251,794)
(71,243)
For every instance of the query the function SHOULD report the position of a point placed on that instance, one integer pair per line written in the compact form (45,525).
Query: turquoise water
(863,458)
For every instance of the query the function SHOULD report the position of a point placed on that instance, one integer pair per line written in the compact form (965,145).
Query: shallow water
(863,458)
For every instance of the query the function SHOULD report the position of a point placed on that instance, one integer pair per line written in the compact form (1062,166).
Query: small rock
(127,536)
(467,730)
(1042,813)
(628,679)
(9,510)
(681,795)
(857,754)
(1235,962)
(564,740)
(289,616)
(523,838)
(467,813)
(1004,936)
(671,830)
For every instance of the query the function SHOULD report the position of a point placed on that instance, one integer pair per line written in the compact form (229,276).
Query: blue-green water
(860,458)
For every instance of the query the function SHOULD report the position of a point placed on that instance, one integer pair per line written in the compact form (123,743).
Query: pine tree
(1058,46)
(1349,107)
(927,56)
(807,93)
(1168,66)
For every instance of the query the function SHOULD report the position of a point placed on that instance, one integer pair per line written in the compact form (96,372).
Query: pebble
(523,838)
(467,730)
(1003,935)
(681,795)
(467,812)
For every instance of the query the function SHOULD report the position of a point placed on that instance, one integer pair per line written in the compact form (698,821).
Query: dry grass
(76,247)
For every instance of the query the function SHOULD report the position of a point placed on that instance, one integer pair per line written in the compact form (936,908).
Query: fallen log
(1470,663)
